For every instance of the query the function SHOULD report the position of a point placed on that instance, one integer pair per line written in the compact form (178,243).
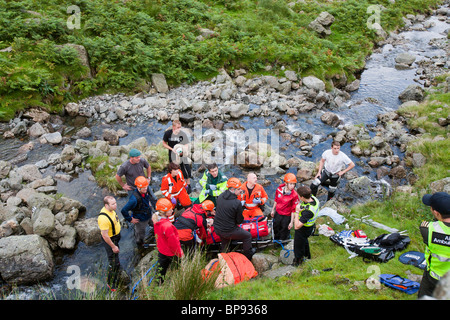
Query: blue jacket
(139,206)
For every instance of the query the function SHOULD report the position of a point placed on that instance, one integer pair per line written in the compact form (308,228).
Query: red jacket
(285,203)
(172,186)
(193,218)
(167,240)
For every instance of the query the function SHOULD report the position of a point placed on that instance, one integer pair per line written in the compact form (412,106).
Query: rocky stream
(50,198)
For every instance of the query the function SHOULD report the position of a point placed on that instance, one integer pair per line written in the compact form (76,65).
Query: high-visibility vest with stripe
(313,208)
(438,250)
(170,186)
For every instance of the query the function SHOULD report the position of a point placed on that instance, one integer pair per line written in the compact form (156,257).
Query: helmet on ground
(290,178)
(141,182)
(164,205)
(233,183)
(208,205)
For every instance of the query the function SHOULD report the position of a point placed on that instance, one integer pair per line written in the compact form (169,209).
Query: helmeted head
(164,205)
(141,182)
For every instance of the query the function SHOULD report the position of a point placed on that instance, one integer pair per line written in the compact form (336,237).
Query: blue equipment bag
(414,258)
(399,283)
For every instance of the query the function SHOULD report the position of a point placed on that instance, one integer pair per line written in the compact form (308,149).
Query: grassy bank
(401,210)
(127,41)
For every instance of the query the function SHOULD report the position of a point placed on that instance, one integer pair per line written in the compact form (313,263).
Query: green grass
(403,211)
(127,41)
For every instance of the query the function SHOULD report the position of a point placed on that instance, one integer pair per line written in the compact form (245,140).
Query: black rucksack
(393,241)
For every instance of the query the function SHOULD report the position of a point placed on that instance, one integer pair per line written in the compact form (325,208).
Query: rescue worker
(213,183)
(192,220)
(304,224)
(139,205)
(173,137)
(332,166)
(283,210)
(167,241)
(253,197)
(173,187)
(109,225)
(436,236)
(228,218)
(133,168)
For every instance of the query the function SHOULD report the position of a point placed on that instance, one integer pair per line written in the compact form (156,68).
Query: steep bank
(52,56)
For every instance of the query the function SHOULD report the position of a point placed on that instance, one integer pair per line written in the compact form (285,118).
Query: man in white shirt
(333,165)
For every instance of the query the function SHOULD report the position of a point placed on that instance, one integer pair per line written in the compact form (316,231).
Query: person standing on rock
(228,218)
(109,225)
(332,166)
(304,224)
(176,137)
(133,168)
(436,236)
(283,210)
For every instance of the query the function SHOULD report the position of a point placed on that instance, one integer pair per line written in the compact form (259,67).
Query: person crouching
(228,218)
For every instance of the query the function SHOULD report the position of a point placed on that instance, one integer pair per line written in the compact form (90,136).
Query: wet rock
(29,172)
(36,130)
(72,109)
(405,58)
(412,92)
(88,231)
(25,259)
(53,138)
(330,119)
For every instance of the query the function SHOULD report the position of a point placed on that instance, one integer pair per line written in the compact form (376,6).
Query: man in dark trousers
(141,211)
(109,225)
(229,216)
(436,236)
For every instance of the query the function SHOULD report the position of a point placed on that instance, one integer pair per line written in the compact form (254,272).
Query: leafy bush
(128,41)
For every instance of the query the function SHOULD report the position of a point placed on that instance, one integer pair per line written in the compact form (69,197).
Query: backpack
(394,241)
(399,283)
(362,247)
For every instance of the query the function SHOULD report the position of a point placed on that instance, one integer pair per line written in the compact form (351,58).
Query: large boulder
(43,221)
(412,92)
(29,172)
(88,231)
(25,259)
(314,83)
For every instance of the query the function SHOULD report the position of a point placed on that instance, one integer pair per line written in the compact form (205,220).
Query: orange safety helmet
(141,182)
(290,178)
(208,205)
(164,205)
(233,183)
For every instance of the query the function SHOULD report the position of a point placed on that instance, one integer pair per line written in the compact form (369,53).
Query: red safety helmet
(141,182)
(164,205)
(290,178)
(234,183)
(208,205)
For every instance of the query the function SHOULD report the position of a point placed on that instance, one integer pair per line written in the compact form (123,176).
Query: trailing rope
(151,279)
